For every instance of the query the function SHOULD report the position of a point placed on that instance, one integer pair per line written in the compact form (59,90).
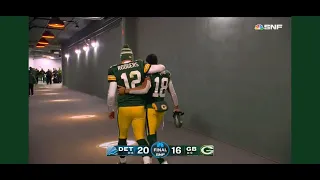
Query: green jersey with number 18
(129,75)
(159,86)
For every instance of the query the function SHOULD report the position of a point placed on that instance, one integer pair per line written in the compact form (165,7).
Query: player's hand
(176,109)
(111,115)
(121,90)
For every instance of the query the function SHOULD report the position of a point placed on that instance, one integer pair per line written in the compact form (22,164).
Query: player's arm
(143,89)
(174,96)
(111,99)
(154,68)
(112,96)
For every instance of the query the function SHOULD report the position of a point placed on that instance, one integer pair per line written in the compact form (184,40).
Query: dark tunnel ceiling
(37,25)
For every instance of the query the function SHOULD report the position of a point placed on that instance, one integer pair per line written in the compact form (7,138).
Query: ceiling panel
(37,25)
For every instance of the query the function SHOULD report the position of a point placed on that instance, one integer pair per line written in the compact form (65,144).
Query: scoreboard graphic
(161,150)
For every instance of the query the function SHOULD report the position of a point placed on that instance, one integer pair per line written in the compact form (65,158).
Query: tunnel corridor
(70,127)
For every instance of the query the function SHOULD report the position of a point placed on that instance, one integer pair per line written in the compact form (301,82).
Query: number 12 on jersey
(134,78)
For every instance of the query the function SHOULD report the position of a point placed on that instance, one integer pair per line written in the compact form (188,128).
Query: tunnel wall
(233,82)
(88,72)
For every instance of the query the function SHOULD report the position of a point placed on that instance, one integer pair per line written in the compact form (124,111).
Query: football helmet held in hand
(177,118)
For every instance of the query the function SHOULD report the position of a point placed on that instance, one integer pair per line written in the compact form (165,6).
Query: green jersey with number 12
(159,86)
(129,75)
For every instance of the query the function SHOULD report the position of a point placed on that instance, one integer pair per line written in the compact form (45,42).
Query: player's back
(159,86)
(130,75)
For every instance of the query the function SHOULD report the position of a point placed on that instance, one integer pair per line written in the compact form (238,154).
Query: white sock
(164,162)
(123,160)
(146,160)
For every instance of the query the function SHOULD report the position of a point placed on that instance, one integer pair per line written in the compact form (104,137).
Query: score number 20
(143,150)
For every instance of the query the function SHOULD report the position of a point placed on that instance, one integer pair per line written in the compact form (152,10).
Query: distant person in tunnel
(42,75)
(32,81)
(49,77)
(59,75)
(37,75)
(131,108)
(155,85)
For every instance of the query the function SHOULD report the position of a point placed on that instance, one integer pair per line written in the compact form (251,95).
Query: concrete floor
(56,138)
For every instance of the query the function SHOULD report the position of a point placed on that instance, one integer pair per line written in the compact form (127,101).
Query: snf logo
(207,150)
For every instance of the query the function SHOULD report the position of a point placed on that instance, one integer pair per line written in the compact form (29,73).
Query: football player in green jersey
(155,85)
(131,108)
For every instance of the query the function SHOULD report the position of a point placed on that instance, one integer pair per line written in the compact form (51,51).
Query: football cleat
(165,162)
(147,160)
(122,161)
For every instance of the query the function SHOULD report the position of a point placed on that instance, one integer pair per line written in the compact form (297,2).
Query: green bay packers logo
(207,150)
(164,107)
